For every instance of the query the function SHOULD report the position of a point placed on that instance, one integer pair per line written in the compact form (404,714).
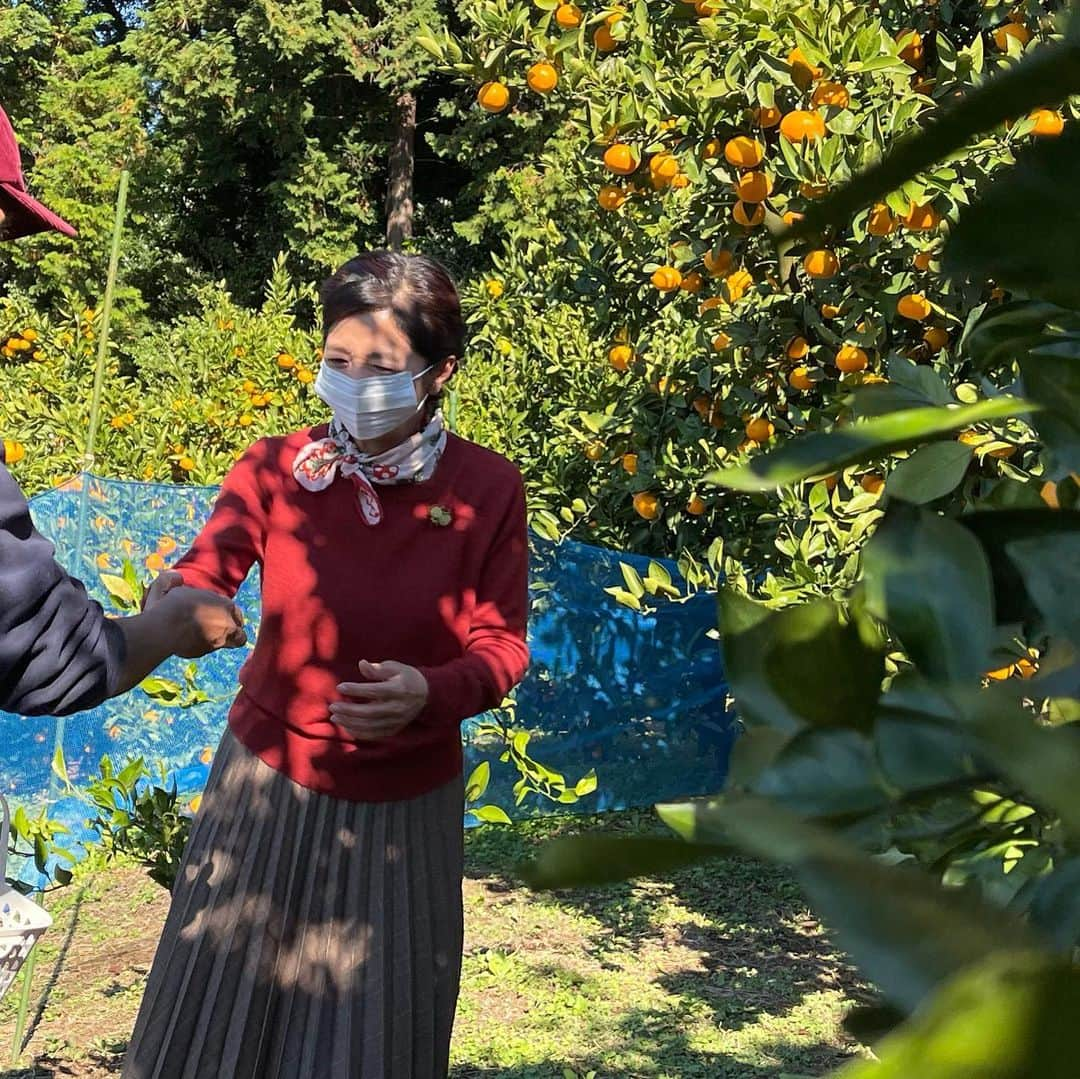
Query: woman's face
(365,346)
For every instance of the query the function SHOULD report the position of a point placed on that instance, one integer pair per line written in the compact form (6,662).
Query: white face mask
(370,407)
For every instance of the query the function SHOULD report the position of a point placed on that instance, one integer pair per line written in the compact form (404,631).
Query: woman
(316,922)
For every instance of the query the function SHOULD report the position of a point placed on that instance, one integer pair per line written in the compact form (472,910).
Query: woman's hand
(382,707)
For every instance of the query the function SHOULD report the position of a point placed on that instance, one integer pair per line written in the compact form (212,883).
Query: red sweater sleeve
(233,537)
(496,654)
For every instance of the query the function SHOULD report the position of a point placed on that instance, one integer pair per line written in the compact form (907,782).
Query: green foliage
(961,762)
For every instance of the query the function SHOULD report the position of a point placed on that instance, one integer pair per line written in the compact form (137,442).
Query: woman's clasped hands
(392,698)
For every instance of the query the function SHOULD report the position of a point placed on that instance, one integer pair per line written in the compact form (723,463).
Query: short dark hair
(416,289)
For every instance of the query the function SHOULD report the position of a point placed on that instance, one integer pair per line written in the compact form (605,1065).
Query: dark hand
(202,621)
(384,706)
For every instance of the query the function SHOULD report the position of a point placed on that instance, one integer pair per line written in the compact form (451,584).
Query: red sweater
(451,600)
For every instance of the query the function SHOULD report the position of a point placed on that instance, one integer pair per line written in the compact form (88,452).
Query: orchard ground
(719,971)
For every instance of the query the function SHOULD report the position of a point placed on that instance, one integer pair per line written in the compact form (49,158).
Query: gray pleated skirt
(308,937)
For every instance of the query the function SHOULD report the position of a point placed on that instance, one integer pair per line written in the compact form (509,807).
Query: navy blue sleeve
(59,653)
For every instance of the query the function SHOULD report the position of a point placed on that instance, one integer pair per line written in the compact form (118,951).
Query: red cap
(27,216)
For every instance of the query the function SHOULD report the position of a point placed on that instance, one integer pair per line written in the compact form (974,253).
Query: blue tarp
(639,698)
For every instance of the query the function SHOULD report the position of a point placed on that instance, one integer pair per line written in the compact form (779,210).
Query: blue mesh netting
(639,698)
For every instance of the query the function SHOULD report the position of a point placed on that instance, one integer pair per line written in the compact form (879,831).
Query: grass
(719,971)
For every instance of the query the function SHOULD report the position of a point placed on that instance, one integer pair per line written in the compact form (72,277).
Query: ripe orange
(187,464)
(797,348)
(629,463)
(542,77)
(680,181)
(594,451)
(749,215)
(801,124)
(718,262)
(711,304)
(802,72)
(753,186)
(1048,123)
(737,283)
(1011,30)
(851,358)
(155,563)
(493,97)
(696,506)
(744,152)
(611,197)
(872,483)
(620,357)
(1002,452)
(603,40)
(914,306)
(881,221)
(936,337)
(921,218)
(767,116)
(1001,673)
(166,545)
(721,341)
(829,310)
(14,452)
(692,282)
(912,52)
(285,361)
(759,430)
(831,93)
(790,217)
(800,379)
(813,191)
(663,166)
(922,260)
(666,278)
(821,263)
(712,149)
(568,16)
(619,159)
(647,505)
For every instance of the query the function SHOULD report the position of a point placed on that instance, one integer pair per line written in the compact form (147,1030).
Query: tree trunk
(399,193)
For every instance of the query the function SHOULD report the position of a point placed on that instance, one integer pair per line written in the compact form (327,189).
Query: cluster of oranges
(22,344)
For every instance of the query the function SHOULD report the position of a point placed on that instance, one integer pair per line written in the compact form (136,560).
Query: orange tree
(640,325)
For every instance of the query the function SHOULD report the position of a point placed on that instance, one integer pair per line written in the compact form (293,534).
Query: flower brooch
(440,515)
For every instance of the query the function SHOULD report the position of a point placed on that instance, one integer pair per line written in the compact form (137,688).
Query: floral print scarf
(319,463)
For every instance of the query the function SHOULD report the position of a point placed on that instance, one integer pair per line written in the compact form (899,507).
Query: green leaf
(1052,380)
(930,472)
(1017,232)
(1054,905)
(59,766)
(633,580)
(1050,567)
(824,774)
(1045,77)
(160,689)
(905,932)
(478,782)
(996,530)
(1010,1016)
(1045,761)
(804,666)
(586,784)
(583,861)
(1006,333)
(119,589)
(928,580)
(490,814)
(821,453)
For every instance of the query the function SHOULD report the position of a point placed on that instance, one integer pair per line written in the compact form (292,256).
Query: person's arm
(232,539)
(496,653)
(188,622)
(59,652)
